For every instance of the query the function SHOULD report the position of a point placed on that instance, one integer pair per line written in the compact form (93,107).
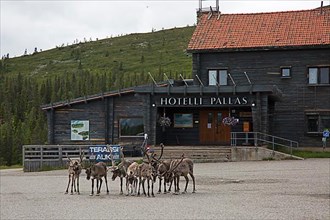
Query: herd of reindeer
(135,174)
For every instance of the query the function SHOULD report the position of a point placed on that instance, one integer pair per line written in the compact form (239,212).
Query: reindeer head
(75,164)
(115,172)
(89,171)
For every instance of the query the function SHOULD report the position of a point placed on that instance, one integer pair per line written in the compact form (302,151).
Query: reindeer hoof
(66,193)
(184,192)
(71,193)
(97,194)
(91,194)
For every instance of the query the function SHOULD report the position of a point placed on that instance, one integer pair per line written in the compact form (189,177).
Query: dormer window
(286,72)
(218,77)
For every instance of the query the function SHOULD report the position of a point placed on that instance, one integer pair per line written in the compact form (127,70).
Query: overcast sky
(45,24)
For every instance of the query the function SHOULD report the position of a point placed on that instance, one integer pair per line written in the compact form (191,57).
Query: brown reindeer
(162,168)
(74,171)
(97,171)
(120,170)
(181,169)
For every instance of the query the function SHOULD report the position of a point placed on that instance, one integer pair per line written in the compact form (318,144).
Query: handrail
(256,138)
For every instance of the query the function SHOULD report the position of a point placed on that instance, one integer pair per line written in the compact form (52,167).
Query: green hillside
(72,71)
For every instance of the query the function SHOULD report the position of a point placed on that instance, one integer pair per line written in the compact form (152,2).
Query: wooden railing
(38,157)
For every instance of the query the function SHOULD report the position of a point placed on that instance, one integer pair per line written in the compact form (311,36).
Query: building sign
(104,152)
(201,101)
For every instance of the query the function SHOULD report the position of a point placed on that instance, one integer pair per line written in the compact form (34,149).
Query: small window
(318,122)
(218,77)
(319,76)
(286,72)
(131,127)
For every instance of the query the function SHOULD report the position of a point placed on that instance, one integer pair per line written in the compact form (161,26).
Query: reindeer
(162,168)
(120,170)
(147,172)
(74,171)
(181,169)
(133,173)
(97,171)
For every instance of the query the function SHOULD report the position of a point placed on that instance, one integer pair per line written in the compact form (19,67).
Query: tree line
(22,122)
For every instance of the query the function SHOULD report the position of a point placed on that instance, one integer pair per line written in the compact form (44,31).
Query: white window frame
(218,77)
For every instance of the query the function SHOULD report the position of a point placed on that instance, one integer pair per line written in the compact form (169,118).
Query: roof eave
(265,48)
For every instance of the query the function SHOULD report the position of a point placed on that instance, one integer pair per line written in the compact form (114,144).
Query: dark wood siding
(93,111)
(288,118)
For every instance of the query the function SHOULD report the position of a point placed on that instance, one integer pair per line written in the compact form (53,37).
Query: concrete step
(198,154)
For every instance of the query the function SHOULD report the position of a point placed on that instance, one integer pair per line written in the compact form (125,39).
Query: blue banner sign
(103,152)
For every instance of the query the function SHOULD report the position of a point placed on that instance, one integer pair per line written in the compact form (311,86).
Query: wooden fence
(43,157)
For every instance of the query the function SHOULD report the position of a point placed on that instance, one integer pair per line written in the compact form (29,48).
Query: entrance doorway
(212,130)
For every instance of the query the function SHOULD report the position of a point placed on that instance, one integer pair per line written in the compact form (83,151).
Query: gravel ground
(289,189)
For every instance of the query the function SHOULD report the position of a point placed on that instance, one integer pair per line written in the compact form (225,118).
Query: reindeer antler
(176,165)
(68,156)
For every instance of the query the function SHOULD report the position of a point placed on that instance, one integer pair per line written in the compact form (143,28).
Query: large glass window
(218,77)
(131,127)
(318,122)
(319,75)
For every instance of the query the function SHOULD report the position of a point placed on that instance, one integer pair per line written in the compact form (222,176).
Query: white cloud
(45,24)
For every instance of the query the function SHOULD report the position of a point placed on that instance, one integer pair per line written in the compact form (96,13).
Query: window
(318,122)
(319,75)
(131,127)
(218,77)
(286,72)
(183,120)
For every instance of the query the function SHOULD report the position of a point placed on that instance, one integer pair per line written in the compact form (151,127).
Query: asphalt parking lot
(288,189)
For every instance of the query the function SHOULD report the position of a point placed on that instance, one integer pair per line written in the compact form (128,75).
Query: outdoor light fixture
(253,104)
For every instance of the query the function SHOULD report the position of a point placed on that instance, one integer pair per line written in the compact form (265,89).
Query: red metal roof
(262,30)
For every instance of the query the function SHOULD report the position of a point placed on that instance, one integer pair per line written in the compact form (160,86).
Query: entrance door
(212,130)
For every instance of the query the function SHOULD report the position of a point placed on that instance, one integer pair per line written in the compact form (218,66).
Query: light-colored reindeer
(74,171)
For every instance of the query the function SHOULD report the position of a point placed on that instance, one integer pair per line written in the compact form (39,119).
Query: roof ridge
(326,7)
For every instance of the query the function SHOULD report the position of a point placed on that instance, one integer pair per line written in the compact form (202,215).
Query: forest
(77,70)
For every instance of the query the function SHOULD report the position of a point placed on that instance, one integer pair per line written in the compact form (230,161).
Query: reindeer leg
(152,189)
(67,188)
(175,186)
(148,184)
(160,185)
(140,182)
(144,191)
(193,179)
(164,186)
(78,185)
(121,185)
(106,183)
(187,180)
(92,193)
(99,181)
(72,184)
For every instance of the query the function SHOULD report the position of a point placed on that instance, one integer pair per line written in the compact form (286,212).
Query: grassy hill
(81,69)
